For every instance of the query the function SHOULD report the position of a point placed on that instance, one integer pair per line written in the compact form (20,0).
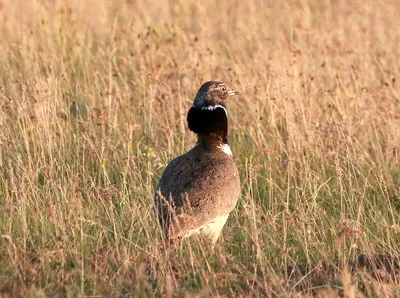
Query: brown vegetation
(315,132)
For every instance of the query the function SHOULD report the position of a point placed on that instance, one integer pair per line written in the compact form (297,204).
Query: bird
(199,189)
(78,109)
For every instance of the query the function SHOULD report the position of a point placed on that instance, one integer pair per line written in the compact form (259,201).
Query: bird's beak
(232,92)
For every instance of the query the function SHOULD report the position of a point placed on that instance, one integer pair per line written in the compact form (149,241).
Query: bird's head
(208,115)
(212,94)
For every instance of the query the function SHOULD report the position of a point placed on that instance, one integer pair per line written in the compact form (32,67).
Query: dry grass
(315,133)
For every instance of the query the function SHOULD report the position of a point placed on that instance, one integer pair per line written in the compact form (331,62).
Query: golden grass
(315,133)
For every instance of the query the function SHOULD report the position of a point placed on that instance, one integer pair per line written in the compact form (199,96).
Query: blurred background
(94,96)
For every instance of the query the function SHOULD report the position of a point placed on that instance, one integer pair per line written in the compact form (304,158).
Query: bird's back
(195,189)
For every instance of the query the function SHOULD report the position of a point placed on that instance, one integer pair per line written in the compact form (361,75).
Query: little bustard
(200,188)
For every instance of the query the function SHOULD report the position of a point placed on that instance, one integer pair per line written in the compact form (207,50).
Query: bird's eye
(223,88)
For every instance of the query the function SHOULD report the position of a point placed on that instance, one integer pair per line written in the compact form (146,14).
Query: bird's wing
(196,191)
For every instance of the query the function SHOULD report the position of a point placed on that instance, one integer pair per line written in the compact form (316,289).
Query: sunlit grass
(315,133)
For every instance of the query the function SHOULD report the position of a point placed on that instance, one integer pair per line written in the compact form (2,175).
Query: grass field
(315,133)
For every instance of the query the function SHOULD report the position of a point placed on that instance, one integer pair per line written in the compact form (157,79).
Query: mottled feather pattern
(199,189)
(205,186)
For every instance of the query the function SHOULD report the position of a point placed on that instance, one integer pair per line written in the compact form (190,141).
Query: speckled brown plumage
(199,189)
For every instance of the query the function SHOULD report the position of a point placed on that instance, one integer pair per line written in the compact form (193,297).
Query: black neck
(211,126)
